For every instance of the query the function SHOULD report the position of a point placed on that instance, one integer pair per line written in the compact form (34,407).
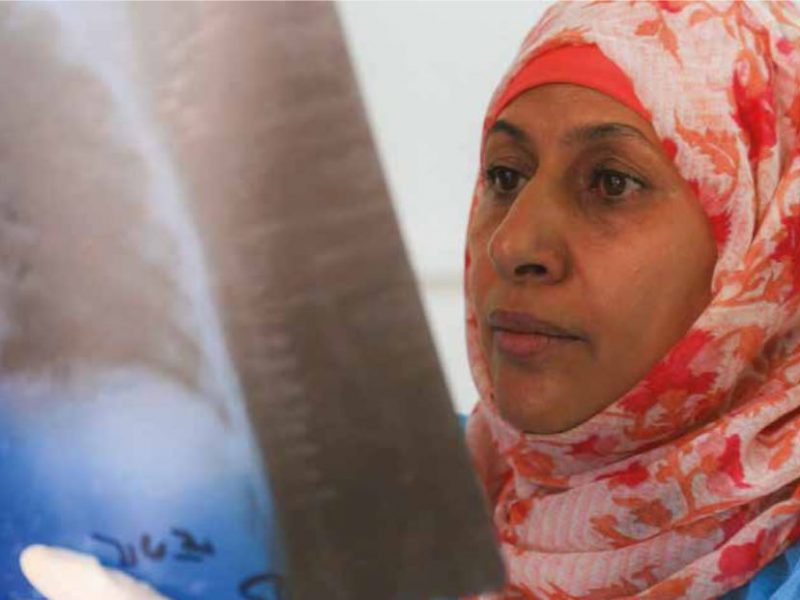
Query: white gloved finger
(60,574)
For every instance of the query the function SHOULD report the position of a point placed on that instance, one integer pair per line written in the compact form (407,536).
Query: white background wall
(427,71)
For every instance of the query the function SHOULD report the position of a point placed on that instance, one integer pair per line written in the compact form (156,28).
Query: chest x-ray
(201,281)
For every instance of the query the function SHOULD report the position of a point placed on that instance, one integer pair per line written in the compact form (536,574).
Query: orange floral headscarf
(690,483)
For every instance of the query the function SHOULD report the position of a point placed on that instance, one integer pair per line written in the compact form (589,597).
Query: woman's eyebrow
(501,126)
(590,132)
(593,132)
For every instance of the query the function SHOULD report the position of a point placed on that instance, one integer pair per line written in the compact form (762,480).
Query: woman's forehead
(571,114)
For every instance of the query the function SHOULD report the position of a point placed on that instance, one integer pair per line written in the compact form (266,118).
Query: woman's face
(590,255)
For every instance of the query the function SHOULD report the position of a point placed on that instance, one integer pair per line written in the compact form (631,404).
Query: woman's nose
(529,243)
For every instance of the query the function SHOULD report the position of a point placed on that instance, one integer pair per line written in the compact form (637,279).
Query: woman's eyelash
(503,180)
(614,184)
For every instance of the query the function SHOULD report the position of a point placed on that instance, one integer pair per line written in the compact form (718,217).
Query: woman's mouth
(521,335)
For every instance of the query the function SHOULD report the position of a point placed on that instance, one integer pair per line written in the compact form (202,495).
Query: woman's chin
(538,413)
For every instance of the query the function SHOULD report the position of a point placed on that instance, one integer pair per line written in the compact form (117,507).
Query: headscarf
(689,484)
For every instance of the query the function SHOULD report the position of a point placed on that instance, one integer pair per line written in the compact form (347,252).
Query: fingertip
(31,558)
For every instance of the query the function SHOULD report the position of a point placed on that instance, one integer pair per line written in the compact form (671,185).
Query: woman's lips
(521,345)
(522,335)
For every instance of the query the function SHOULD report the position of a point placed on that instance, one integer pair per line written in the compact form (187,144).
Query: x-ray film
(202,281)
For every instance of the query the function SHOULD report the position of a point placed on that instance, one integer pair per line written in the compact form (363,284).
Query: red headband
(580,65)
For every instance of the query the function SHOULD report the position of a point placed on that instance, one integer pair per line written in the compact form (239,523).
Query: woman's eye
(614,185)
(505,181)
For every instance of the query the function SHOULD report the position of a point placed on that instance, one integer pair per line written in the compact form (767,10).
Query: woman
(632,286)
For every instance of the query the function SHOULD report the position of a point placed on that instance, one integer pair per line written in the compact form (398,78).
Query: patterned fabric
(690,483)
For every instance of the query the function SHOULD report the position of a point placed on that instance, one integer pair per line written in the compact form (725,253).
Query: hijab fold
(689,484)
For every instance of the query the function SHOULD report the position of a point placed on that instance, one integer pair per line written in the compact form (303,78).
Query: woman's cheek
(480,278)
(477,288)
(479,262)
